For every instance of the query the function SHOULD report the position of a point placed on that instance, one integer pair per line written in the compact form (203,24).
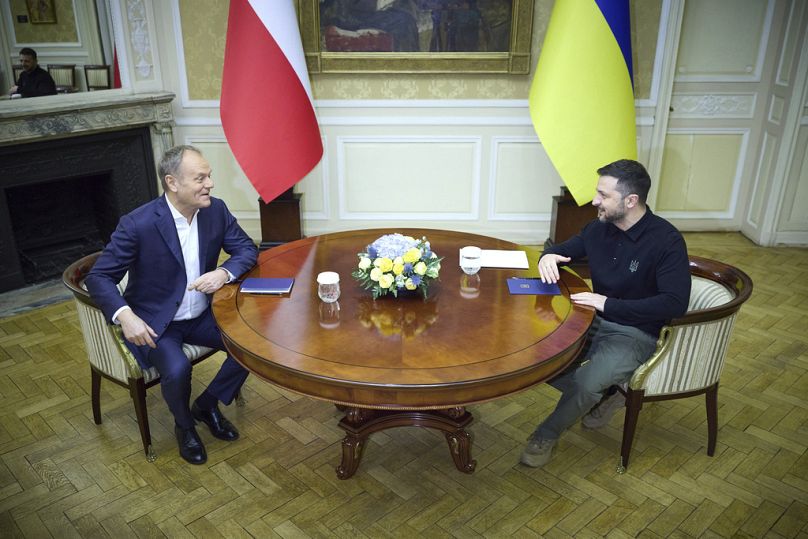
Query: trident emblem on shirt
(634,265)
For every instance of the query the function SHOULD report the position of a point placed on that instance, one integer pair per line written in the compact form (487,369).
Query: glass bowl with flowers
(395,264)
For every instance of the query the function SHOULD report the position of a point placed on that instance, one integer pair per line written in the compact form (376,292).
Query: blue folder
(518,285)
(267,285)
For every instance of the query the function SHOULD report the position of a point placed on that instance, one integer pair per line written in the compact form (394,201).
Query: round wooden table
(401,361)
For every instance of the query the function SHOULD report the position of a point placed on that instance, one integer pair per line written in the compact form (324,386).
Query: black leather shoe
(191,448)
(219,426)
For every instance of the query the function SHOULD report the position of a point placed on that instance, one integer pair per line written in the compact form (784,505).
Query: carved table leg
(360,423)
(460,449)
(352,448)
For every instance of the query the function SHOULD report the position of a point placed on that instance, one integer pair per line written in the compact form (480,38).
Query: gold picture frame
(515,39)
(41,11)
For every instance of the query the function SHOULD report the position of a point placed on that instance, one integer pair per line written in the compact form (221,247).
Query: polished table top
(470,341)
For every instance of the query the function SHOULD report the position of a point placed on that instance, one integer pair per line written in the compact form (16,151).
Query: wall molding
(496,142)
(765,161)
(345,214)
(730,213)
(781,79)
(776,107)
(713,105)
(791,238)
(755,74)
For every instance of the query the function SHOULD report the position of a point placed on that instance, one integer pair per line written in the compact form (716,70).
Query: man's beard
(613,217)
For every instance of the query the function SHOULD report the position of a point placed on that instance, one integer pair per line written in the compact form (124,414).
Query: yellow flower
(398,269)
(383,263)
(386,280)
(419,268)
(364,263)
(408,284)
(412,255)
(398,260)
(375,273)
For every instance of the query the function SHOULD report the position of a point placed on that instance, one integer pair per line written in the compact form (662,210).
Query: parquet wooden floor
(63,476)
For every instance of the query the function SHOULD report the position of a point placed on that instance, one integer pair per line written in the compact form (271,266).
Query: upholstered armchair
(108,355)
(691,350)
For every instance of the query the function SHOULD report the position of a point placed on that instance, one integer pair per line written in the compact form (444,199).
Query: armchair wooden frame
(691,350)
(111,359)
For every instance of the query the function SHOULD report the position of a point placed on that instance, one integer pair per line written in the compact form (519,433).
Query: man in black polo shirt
(641,280)
(34,81)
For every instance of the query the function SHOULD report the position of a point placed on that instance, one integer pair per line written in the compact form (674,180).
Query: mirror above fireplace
(83,32)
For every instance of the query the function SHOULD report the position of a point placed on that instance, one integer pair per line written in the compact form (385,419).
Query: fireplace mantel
(72,165)
(68,115)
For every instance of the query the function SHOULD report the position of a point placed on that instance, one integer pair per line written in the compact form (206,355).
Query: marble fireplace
(68,170)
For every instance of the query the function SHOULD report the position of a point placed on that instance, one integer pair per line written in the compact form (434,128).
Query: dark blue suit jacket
(147,246)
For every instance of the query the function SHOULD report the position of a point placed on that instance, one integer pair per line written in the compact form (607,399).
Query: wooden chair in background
(97,77)
(16,69)
(64,75)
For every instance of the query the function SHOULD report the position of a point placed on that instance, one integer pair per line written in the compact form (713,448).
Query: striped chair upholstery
(108,355)
(691,350)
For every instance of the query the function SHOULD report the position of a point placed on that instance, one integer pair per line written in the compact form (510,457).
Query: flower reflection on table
(408,318)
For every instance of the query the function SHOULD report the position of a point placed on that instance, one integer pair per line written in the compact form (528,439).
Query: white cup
(470,258)
(328,286)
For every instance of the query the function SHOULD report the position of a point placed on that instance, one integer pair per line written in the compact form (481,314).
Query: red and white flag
(266,106)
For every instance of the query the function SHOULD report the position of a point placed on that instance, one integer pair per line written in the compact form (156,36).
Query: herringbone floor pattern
(63,476)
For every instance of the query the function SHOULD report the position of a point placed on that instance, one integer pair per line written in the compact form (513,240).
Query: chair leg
(137,389)
(95,394)
(633,407)
(712,418)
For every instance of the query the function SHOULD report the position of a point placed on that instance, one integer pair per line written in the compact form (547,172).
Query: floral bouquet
(394,263)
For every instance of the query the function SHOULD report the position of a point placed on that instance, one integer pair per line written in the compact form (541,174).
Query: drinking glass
(329,315)
(328,286)
(470,259)
(469,286)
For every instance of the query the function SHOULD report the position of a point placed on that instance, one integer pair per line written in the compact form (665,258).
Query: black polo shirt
(36,83)
(644,271)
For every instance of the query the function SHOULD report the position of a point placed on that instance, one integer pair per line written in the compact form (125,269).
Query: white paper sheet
(493,258)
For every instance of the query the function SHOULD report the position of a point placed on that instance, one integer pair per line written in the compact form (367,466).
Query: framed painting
(416,36)
(41,11)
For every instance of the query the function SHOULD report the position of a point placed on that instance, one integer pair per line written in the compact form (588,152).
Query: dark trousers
(175,369)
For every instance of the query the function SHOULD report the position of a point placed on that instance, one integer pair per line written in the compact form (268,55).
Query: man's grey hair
(171,162)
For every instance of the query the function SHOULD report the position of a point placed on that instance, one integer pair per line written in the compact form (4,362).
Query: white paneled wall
(731,152)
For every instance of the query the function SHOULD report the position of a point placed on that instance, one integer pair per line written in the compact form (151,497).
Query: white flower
(364,263)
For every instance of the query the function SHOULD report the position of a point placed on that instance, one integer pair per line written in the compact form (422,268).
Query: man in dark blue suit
(170,247)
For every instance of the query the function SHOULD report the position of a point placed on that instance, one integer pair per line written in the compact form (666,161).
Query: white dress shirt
(193,302)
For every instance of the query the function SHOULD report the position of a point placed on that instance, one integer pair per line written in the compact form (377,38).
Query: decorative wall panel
(410,178)
(521,178)
(714,105)
(726,40)
(701,173)
(762,180)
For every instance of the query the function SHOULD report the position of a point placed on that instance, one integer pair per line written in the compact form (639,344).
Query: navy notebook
(267,285)
(534,286)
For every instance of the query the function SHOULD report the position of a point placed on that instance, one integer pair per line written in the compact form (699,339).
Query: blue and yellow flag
(582,98)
